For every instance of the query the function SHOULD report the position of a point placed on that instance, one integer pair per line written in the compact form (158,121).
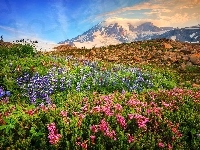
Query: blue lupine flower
(8,93)
(2,93)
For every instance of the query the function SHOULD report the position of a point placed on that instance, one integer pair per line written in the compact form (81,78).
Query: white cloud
(135,22)
(61,15)
(160,12)
(14,34)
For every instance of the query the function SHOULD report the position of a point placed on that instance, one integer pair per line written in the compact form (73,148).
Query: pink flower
(54,139)
(30,112)
(63,113)
(53,136)
(81,116)
(84,145)
(96,109)
(161,145)
(130,138)
(92,137)
(103,126)
(118,107)
(141,121)
(130,116)
(85,108)
(94,128)
(110,134)
(169,146)
(121,120)
(107,111)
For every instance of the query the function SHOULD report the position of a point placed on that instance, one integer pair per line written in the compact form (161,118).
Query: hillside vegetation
(139,95)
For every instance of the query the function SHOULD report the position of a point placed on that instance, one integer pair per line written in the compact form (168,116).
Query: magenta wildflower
(169,146)
(94,128)
(121,120)
(161,145)
(118,107)
(130,116)
(106,110)
(110,134)
(103,126)
(63,113)
(53,135)
(96,109)
(141,121)
(84,145)
(85,108)
(92,137)
(130,138)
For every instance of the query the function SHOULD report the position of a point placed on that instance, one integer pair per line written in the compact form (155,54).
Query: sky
(57,20)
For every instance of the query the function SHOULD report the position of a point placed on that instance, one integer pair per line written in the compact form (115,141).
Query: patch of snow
(97,42)
(81,38)
(191,28)
(173,38)
(191,35)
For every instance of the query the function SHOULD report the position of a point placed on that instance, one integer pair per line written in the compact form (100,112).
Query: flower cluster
(4,94)
(41,87)
(53,135)
(121,120)
(104,128)
(89,76)
(141,121)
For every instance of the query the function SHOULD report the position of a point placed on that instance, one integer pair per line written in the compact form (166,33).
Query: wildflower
(94,128)
(130,138)
(118,107)
(141,121)
(96,109)
(130,116)
(103,125)
(169,146)
(92,137)
(84,145)
(2,93)
(106,110)
(30,112)
(8,93)
(63,113)
(53,136)
(121,120)
(161,145)
(111,134)
(123,91)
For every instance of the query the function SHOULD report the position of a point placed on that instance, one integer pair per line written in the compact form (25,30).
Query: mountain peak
(115,31)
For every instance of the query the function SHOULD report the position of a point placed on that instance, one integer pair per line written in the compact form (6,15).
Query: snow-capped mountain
(104,34)
(187,34)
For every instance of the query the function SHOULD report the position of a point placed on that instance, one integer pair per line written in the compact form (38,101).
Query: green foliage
(17,50)
(172,113)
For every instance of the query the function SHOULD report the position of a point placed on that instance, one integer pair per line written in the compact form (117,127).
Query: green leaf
(3,127)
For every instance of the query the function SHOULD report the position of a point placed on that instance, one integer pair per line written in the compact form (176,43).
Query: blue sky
(58,20)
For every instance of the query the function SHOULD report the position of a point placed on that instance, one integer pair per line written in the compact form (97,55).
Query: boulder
(167,46)
(195,58)
(185,51)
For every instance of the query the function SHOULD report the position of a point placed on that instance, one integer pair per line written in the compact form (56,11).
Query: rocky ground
(184,57)
(163,52)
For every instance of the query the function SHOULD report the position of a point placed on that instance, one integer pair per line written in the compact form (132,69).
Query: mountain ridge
(104,34)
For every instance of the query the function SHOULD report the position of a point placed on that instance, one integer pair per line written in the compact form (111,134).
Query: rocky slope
(182,56)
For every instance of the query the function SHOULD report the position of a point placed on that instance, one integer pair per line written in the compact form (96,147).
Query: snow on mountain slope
(111,32)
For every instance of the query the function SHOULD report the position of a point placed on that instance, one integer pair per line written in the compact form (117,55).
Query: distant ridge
(104,34)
